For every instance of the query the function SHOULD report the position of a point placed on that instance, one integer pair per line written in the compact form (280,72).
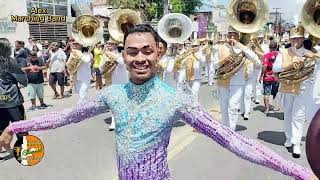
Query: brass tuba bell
(175,28)
(87,30)
(248,16)
(120,21)
(310,18)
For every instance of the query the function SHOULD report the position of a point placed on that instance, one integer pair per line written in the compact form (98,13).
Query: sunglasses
(147,50)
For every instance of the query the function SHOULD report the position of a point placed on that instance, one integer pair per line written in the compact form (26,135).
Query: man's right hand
(5,139)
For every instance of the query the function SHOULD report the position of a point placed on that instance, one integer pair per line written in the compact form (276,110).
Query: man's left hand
(5,139)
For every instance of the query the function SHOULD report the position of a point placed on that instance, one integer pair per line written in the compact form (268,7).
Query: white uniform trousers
(206,69)
(82,88)
(245,105)
(257,86)
(210,72)
(312,106)
(229,99)
(193,88)
(181,76)
(311,110)
(294,116)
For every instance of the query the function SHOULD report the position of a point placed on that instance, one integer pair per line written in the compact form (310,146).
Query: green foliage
(178,6)
(154,8)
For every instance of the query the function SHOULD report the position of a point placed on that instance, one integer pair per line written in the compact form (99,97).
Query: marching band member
(314,104)
(79,64)
(294,95)
(231,89)
(167,64)
(117,74)
(257,86)
(208,52)
(181,73)
(192,66)
(245,104)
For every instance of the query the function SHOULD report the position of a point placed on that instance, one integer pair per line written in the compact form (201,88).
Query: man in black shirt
(34,66)
(20,54)
(11,99)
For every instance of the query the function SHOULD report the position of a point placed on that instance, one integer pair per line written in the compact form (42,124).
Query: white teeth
(140,67)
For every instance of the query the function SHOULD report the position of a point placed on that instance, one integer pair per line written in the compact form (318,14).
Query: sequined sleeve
(239,144)
(89,108)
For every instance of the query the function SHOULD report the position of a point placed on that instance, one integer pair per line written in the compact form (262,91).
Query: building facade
(13,30)
(50,31)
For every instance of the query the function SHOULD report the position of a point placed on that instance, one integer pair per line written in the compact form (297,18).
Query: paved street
(86,150)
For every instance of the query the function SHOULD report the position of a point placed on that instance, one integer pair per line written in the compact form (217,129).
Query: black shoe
(290,149)
(32,108)
(245,118)
(295,155)
(43,106)
(242,115)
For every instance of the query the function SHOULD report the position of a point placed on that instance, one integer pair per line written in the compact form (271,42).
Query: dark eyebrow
(147,46)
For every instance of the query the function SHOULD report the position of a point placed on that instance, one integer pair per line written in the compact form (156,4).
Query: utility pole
(165,7)
(280,23)
(276,24)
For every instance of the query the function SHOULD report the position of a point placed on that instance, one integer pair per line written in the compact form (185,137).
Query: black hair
(5,47)
(287,45)
(165,44)
(84,49)
(120,49)
(5,52)
(19,42)
(141,28)
(307,43)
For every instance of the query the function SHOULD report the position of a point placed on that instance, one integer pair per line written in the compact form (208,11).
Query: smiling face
(141,53)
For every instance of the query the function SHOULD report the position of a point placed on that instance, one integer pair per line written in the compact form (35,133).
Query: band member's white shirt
(168,74)
(120,74)
(84,71)
(198,64)
(238,79)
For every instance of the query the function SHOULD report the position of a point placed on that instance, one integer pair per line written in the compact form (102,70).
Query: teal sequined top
(144,117)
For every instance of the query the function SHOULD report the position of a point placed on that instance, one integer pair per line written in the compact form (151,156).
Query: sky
(290,8)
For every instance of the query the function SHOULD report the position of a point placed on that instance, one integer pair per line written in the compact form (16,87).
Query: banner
(203,24)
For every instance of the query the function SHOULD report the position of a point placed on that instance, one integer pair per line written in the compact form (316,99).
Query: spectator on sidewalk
(57,63)
(36,49)
(29,44)
(11,99)
(20,54)
(270,83)
(33,67)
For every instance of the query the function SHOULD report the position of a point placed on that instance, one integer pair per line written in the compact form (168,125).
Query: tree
(154,8)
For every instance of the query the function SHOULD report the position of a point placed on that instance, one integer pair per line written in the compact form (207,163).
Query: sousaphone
(247,17)
(87,30)
(175,28)
(120,21)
